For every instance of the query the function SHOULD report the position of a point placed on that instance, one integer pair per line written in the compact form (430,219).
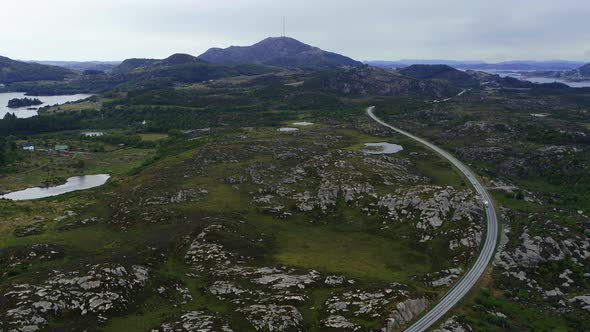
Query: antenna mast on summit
(284,27)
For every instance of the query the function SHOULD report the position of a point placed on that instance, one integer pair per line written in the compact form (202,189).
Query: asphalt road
(468,280)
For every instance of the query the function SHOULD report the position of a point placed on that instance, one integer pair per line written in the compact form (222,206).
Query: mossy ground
(343,241)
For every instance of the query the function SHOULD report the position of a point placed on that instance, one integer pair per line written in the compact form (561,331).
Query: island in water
(23,102)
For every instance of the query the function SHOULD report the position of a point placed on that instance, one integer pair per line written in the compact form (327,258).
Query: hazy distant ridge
(480,65)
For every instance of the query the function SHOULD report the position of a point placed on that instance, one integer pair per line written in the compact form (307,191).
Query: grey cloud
(370,29)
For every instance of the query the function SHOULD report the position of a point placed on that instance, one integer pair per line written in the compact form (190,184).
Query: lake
(23,112)
(73,184)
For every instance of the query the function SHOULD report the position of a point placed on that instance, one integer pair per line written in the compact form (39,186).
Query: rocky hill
(440,72)
(481,65)
(373,81)
(81,66)
(17,71)
(281,52)
(182,68)
(139,65)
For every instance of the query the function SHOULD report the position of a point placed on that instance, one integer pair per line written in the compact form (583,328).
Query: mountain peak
(287,42)
(181,58)
(281,52)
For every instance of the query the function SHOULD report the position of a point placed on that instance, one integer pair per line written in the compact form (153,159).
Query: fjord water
(72,184)
(540,80)
(23,112)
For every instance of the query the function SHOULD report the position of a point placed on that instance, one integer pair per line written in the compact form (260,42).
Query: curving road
(468,280)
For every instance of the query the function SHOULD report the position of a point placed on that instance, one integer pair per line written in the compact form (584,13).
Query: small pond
(382,148)
(287,130)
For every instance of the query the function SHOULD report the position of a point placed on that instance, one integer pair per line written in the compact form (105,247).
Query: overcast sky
(365,30)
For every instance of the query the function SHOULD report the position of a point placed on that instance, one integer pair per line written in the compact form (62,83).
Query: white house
(29,147)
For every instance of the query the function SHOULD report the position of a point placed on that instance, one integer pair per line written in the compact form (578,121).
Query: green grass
(153,136)
(356,254)
(39,167)
(508,200)
(439,170)
(94,238)
(343,241)
(441,173)
(519,318)
(118,162)
(154,309)
(345,248)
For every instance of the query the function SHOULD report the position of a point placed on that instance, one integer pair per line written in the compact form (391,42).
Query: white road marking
(468,280)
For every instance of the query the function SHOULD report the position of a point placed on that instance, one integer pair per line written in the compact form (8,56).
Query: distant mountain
(12,71)
(406,63)
(585,70)
(524,65)
(140,65)
(82,66)
(480,65)
(178,68)
(281,52)
(130,64)
(440,72)
(386,64)
(373,81)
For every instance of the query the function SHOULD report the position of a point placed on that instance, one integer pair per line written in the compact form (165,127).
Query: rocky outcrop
(277,279)
(583,301)
(191,321)
(78,223)
(345,308)
(340,323)
(372,81)
(181,196)
(35,228)
(444,278)
(453,324)
(441,204)
(266,296)
(546,259)
(273,318)
(21,257)
(536,249)
(404,313)
(97,290)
